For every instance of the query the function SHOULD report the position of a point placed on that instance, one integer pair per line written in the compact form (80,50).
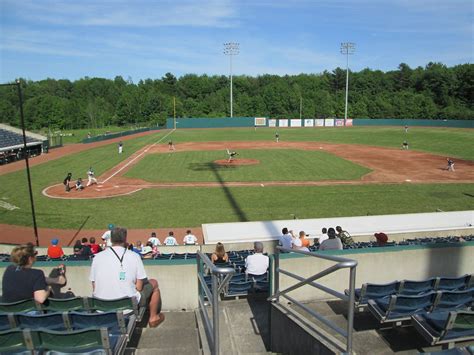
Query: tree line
(431,92)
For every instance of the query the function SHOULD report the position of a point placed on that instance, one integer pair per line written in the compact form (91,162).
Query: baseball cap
(381,237)
(111,226)
(54,241)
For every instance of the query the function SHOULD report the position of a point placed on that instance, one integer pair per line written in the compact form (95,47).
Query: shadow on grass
(78,231)
(216,169)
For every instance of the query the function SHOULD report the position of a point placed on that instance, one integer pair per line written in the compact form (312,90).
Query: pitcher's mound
(237,162)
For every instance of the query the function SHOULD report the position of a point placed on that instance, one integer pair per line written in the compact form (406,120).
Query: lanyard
(120,259)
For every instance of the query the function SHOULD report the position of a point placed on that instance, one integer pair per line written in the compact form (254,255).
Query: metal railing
(220,277)
(342,263)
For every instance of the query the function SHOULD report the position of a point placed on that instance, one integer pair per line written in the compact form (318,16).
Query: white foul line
(138,156)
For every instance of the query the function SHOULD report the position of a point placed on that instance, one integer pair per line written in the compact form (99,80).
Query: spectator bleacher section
(11,144)
(77,325)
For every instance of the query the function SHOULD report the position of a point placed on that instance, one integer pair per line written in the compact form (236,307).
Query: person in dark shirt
(219,256)
(20,281)
(77,248)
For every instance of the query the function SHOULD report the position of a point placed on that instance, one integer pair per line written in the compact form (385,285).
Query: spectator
(54,250)
(219,256)
(139,246)
(131,247)
(170,239)
(77,248)
(154,240)
(304,241)
(285,240)
(147,251)
(256,264)
(332,243)
(95,248)
(381,238)
(20,281)
(190,239)
(106,236)
(324,235)
(86,249)
(118,272)
(344,236)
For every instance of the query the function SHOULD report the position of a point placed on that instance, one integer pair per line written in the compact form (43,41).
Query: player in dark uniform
(171,145)
(66,182)
(277,137)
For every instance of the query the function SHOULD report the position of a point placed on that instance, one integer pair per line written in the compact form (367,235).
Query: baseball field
(309,173)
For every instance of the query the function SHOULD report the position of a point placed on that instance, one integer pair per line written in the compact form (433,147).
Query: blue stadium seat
(115,322)
(409,287)
(399,308)
(445,327)
(51,321)
(373,291)
(7,321)
(453,283)
(453,300)
(241,288)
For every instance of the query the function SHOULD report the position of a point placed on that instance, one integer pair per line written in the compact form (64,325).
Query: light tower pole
(231,49)
(346,49)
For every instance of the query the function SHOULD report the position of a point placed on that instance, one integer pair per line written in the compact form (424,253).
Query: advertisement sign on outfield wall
(260,121)
(329,122)
(319,122)
(339,122)
(283,123)
(309,122)
(295,123)
(349,122)
(272,123)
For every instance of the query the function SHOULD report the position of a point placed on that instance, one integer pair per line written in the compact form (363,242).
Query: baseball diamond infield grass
(192,206)
(275,165)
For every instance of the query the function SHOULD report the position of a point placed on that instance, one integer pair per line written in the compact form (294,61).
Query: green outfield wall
(198,122)
(227,122)
(105,137)
(413,123)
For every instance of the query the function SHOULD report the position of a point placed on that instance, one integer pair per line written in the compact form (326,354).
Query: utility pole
(347,48)
(231,49)
(301,107)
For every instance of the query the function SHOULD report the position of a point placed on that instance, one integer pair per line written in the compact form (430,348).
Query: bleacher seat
(445,327)
(409,287)
(373,291)
(17,341)
(453,300)
(399,308)
(20,306)
(240,288)
(65,304)
(114,321)
(51,321)
(453,283)
(6,321)
(126,304)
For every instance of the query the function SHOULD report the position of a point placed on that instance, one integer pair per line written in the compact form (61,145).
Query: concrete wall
(357,226)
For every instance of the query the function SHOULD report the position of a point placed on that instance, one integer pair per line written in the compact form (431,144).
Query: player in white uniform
(90,176)
(231,155)
(106,236)
(189,239)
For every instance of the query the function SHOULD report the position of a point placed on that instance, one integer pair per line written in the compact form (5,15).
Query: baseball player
(120,147)
(90,177)
(231,155)
(277,137)
(171,145)
(450,164)
(66,182)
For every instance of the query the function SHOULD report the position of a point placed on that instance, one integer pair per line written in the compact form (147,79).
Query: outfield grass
(453,142)
(152,208)
(275,165)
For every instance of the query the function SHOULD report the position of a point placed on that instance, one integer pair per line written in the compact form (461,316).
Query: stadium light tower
(231,49)
(347,48)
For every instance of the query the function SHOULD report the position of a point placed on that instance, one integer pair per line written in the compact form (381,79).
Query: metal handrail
(220,277)
(342,263)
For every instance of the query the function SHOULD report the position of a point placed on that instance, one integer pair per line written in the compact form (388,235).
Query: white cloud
(139,13)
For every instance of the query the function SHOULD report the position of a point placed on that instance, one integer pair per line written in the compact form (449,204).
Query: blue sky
(139,39)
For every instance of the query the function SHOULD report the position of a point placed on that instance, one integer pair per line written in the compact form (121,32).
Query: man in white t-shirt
(190,239)
(298,245)
(324,235)
(117,272)
(256,264)
(106,236)
(170,239)
(154,240)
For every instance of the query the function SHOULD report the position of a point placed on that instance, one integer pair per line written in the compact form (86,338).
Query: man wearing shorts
(117,272)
